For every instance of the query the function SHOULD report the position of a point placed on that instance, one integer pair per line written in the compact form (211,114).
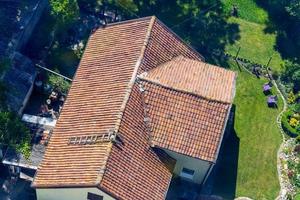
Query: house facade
(143,107)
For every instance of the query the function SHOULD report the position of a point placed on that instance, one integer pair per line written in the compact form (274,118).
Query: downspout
(208,173)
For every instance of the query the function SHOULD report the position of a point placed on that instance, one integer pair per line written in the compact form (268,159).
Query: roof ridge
(187,59)
(179,90)
(135,72)
(129,88)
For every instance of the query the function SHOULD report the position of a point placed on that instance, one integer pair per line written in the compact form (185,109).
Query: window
(91,196)
(187,173)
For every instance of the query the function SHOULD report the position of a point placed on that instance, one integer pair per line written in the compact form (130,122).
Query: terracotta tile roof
(196,77)
(134,170)
(163,46)
(183,122)
(105,97)
(93,106)
(187,102)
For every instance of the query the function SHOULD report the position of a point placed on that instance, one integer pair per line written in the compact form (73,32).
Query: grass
(248,10)
(248,157)
(256,128)
(256,45)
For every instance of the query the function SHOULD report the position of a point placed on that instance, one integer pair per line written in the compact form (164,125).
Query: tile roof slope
(134,171)
(92,106)
(196,77)
(163,46)
(136,164)
(183,122)
(187,102)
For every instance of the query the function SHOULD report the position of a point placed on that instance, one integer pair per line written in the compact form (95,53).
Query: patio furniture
(272,101)
(267,88)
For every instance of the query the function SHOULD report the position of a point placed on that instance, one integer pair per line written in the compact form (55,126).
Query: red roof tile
(93,106)
(196,77)
(183,122)
(104,97)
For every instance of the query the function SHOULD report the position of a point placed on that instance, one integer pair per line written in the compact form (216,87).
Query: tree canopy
(293,8)
(65,11)
(292,75)
(14,133)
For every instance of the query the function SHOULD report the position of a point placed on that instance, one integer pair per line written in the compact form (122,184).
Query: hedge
(286,126)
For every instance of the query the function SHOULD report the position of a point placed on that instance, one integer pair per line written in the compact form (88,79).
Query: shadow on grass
(202,24)
(284,26)
(222,180)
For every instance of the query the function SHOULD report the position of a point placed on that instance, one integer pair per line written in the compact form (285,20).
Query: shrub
(293,122)
(298,139)
(296,108)
(14,133)
(291,98)
(65,11)
(60,83)
(293,132)
(297,149)
(275,75)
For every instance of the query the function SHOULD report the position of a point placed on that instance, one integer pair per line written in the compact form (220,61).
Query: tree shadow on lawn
(223,178)
(287,29)
(202,24)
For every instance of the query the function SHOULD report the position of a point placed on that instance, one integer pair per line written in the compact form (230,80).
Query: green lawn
(249,155)
(248,10)
(256,45)
(256,128)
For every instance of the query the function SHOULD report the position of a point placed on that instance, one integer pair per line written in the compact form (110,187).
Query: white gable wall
(68,193)
(200,167)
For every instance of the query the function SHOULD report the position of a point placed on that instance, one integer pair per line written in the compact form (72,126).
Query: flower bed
(291,123)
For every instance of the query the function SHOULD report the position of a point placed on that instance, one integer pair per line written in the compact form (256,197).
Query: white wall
(68,193)
(199,166)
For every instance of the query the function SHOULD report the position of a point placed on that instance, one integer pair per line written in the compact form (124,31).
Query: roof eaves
(45,186)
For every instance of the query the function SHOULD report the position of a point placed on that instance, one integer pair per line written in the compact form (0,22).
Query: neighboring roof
(105,98)
(14,17)
(199,78)
(19,79)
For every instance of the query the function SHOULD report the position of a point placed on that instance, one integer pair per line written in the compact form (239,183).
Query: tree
(65,11)
(288,33)
(14,134)
(60,83)
(293,8)
(291,74)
